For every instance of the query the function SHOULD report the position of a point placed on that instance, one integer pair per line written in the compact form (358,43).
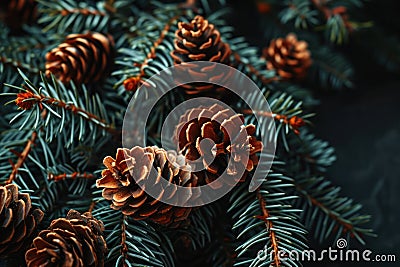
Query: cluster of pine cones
(207,139)
(76,240)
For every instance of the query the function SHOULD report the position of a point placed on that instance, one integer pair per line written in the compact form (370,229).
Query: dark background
(362,124)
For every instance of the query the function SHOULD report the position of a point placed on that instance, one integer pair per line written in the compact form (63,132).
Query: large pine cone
(289,57)
(18,220)
(72,241)
(200,41)
(15,13)
(210,136)
(82,58)
(126,195)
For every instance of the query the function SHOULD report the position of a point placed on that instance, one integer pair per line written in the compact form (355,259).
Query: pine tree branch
(347,226)
(81,11)
(269,225)
(28,99)
(92,205)
(124,246)
(72,176)
(329,212)
(294,122)
(151,55)
(254,70)
(21,158)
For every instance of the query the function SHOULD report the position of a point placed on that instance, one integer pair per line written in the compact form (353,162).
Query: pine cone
(15,13)
(126,195)
(210,136)
(289,57)
(82,58)
(72,241)
(18,220)
(200,41)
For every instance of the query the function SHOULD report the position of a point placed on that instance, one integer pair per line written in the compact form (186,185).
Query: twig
(124,246)
(82,11)
(131,83)
(347,226)
(265,215)
(72,176)
(91,207)
(295,122)
(28,99)
(254,71)
(21,158)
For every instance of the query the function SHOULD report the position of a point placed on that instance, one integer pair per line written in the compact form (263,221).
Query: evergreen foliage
(54,135)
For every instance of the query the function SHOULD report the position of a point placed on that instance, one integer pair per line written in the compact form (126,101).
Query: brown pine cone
(210,136)
(72,241)
(82,58)
(126,195)
(15,13)
(18,220)
(289,57)
(200,41)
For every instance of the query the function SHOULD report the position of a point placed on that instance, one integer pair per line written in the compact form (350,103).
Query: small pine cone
(82,58)
(119,182)
(15,13)
(289,57)
(72,241)
(210,136)
(18,220)
(200,41)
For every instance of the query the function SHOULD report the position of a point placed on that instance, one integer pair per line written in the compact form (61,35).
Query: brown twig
(91,207)
(254,71)
(347,226)
(136,80)
(295,122)
(28,99)
(73,176)
(321,5)
(124,246)
(265,215)
(21,158)
(82,11)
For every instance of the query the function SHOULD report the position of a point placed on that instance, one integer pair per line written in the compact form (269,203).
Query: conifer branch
(72,176)
(81,11)
(21,157)
(254,70)
(132,83)
(28,99)
(348,227)
(269,225)
(124,246)
(294,122)
(92,205)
